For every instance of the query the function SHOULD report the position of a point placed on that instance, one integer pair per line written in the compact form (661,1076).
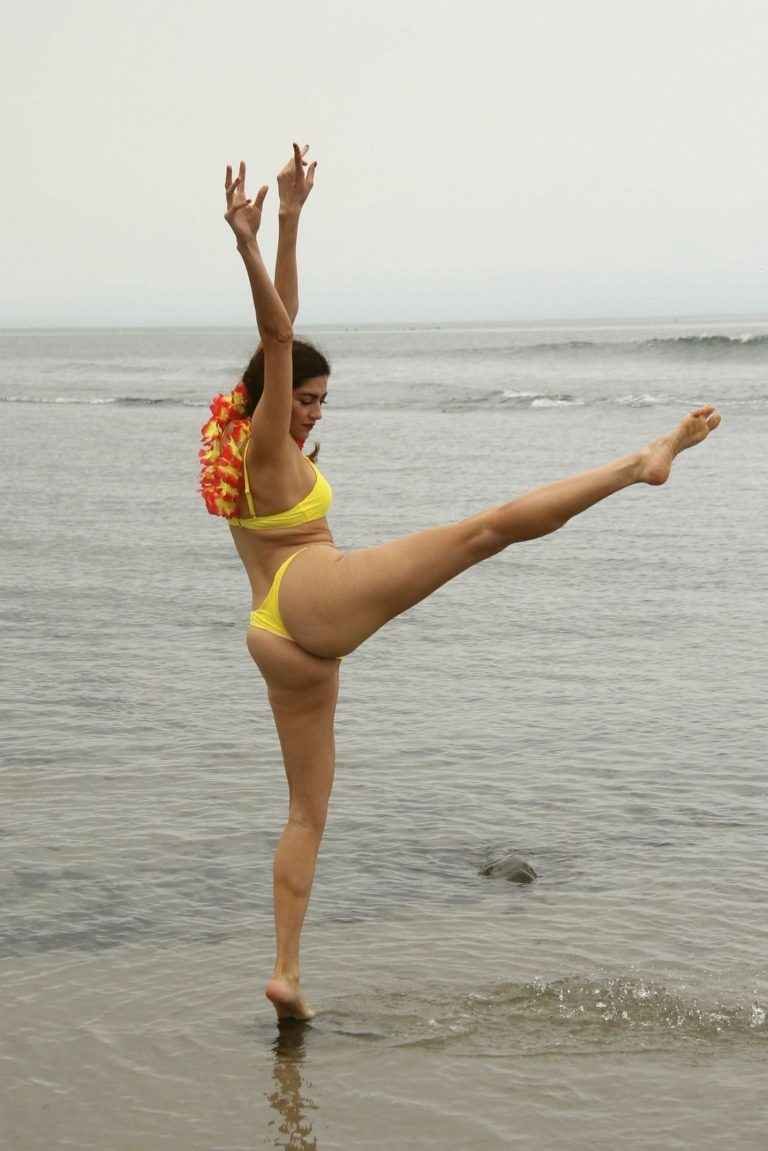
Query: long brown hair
(308,363)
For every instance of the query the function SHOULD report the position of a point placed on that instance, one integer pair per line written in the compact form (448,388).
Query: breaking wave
(574,1014)
(679,346)
(501,398)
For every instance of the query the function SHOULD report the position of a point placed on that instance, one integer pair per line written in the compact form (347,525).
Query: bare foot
(287,1000)
(657,457)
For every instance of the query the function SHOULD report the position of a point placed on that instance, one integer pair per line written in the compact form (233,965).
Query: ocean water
(593,701)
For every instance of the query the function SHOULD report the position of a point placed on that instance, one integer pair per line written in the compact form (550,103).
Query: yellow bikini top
(313,507)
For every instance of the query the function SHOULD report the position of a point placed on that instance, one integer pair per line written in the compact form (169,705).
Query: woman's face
(308,399)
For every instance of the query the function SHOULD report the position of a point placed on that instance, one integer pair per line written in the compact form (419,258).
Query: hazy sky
(488,160)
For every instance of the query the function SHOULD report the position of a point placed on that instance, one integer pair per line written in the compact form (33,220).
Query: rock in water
(510,867)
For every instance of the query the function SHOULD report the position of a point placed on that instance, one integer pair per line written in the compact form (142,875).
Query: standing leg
(332,603)
(302,693)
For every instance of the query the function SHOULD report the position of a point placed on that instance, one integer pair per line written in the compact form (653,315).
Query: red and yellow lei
(221,456)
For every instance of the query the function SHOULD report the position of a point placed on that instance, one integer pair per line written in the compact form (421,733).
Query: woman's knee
(515,523)
(309,817)
(489,538)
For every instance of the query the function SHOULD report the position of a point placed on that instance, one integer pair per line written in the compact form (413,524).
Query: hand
(293,183)
(243,216)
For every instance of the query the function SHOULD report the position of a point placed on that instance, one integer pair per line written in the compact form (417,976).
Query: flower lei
(224,437)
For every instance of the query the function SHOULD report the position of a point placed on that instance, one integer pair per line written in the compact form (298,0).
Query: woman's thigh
(331,601)
(303,690)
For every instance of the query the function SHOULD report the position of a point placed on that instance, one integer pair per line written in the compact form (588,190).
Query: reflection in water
(293,1128)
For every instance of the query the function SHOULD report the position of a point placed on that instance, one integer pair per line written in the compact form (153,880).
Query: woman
(312,604)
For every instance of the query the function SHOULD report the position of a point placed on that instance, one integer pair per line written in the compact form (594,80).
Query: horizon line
(618,320)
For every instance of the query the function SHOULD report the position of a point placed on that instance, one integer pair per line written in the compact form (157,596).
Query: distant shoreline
(720,318)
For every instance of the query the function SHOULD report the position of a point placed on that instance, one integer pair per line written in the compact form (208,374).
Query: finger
(311,175)
(241,176)
(298,162)
(261,195)
(229,188)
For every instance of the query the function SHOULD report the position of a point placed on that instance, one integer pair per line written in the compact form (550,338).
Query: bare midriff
(262,552)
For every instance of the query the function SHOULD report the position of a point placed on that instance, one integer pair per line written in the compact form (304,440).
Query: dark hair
(308,363)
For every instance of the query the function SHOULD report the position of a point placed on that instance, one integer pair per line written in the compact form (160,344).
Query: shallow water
(589,701)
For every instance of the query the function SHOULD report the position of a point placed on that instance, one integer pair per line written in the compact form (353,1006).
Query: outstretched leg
(331,603)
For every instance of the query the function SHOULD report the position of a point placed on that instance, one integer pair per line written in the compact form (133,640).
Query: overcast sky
(486,160)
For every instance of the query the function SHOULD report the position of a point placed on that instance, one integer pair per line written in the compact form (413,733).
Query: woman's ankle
(287,973)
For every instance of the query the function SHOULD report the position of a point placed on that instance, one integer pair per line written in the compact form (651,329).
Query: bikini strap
(245,472)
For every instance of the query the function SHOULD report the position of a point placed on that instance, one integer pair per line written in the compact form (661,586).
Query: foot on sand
(287,1000)
(657,457)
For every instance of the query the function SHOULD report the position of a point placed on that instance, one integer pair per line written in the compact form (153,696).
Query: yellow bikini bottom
(267,614)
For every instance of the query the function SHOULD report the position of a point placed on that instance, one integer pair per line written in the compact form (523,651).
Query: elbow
(278,333)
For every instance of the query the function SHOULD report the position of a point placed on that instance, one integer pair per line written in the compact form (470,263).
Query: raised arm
(244,218)
(294,185)
(272,419)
